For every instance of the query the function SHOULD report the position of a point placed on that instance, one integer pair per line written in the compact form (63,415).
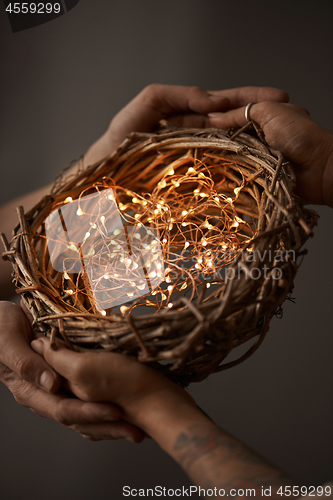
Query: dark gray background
(61,84)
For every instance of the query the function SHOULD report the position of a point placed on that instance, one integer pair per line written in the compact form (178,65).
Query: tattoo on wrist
(223,460)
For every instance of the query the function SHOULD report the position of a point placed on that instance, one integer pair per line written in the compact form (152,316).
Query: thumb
(15,351)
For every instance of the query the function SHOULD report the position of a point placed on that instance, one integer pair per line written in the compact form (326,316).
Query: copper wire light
(178,248)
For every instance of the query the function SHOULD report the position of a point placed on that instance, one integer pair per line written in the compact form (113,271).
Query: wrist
(165,414)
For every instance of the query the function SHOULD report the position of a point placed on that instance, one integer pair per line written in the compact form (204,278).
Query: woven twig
(195,335)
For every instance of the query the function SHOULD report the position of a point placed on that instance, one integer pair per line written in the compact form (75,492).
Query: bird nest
(178,248)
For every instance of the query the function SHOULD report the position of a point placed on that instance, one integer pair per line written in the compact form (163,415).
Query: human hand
(138,389)
(305,143)
(180,105)
(36,385)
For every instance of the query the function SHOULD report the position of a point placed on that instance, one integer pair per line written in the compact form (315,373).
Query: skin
(152,404)
(208,454)
(33,383)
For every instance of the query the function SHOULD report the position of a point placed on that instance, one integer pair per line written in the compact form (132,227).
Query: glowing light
(103,313)
(69,199)
(183,224)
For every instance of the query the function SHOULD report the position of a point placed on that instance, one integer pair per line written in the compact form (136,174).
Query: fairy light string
(192,210)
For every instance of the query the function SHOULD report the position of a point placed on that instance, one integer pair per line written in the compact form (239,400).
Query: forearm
(8,220)
(8,216)
(209,455)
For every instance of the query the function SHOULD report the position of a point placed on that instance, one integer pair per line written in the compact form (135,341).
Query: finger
(268,114)
(190,121)
(116,430)
(61,408)
(156,102)
(63,360)
(229,119)
(15,351)
(241,96)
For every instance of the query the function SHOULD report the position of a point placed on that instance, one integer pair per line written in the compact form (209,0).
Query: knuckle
(152,89)
(21,393)
(151,94)
(18,398)
(24,367)
(62,416)
(62,419)
(194,90)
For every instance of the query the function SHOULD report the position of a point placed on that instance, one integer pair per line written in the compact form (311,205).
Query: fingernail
(46,380)
(214,115)
(37,346)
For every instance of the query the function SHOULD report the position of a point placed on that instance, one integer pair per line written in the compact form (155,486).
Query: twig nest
(177,249)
